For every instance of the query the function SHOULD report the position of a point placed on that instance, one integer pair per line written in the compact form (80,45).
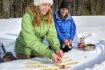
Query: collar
(58,17)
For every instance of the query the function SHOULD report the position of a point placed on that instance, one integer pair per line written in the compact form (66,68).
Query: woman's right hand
(56,58)
(66,42)
(59,53)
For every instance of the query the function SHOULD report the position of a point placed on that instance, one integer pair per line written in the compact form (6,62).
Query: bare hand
(60,53)
(69,42)
(66,42)
(56,58)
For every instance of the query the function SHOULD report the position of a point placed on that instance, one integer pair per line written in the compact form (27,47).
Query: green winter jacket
(30,38)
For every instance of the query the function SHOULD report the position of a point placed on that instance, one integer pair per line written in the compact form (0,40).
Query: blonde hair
(34,10)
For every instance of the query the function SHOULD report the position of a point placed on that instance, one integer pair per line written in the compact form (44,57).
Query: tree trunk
(80,8)
(6,8)
(92,7)
(0,7)
(98,7)
(103,8)
(74,7)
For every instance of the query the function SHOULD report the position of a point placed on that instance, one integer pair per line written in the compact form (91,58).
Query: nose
(65,10)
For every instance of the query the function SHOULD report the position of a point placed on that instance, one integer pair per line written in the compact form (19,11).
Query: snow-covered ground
(94,25)
(86,25)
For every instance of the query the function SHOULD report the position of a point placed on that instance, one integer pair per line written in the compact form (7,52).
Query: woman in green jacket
(37,24)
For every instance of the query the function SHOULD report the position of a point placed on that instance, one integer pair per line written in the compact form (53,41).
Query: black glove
(66,48)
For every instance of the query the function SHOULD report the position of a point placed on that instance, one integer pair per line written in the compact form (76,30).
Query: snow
(94,25)
(9,28)
(91,27)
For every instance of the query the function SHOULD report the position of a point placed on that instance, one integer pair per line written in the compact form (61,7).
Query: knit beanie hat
(64,4)
(39,2)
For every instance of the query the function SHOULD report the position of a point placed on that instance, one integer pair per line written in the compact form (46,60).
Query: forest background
(16,8)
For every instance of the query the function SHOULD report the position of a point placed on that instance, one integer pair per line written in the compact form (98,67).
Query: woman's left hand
(60,53)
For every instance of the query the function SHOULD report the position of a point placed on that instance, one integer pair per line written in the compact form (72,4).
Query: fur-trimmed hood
(29,9)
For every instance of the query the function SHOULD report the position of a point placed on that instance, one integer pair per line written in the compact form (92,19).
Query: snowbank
(93,25)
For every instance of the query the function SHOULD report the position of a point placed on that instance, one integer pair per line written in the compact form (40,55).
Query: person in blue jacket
(65,26)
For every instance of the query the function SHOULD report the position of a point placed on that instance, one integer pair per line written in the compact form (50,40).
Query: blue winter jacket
(65,28)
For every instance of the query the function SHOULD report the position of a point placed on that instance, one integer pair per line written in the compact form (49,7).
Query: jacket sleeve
(73,29)
(31,40)
(52,38)
(60,36)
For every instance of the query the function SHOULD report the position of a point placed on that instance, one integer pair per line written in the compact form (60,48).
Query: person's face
(64,12)
(44,8)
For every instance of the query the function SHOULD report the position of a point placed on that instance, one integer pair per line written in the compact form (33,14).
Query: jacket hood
(29,9)
(56,14)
